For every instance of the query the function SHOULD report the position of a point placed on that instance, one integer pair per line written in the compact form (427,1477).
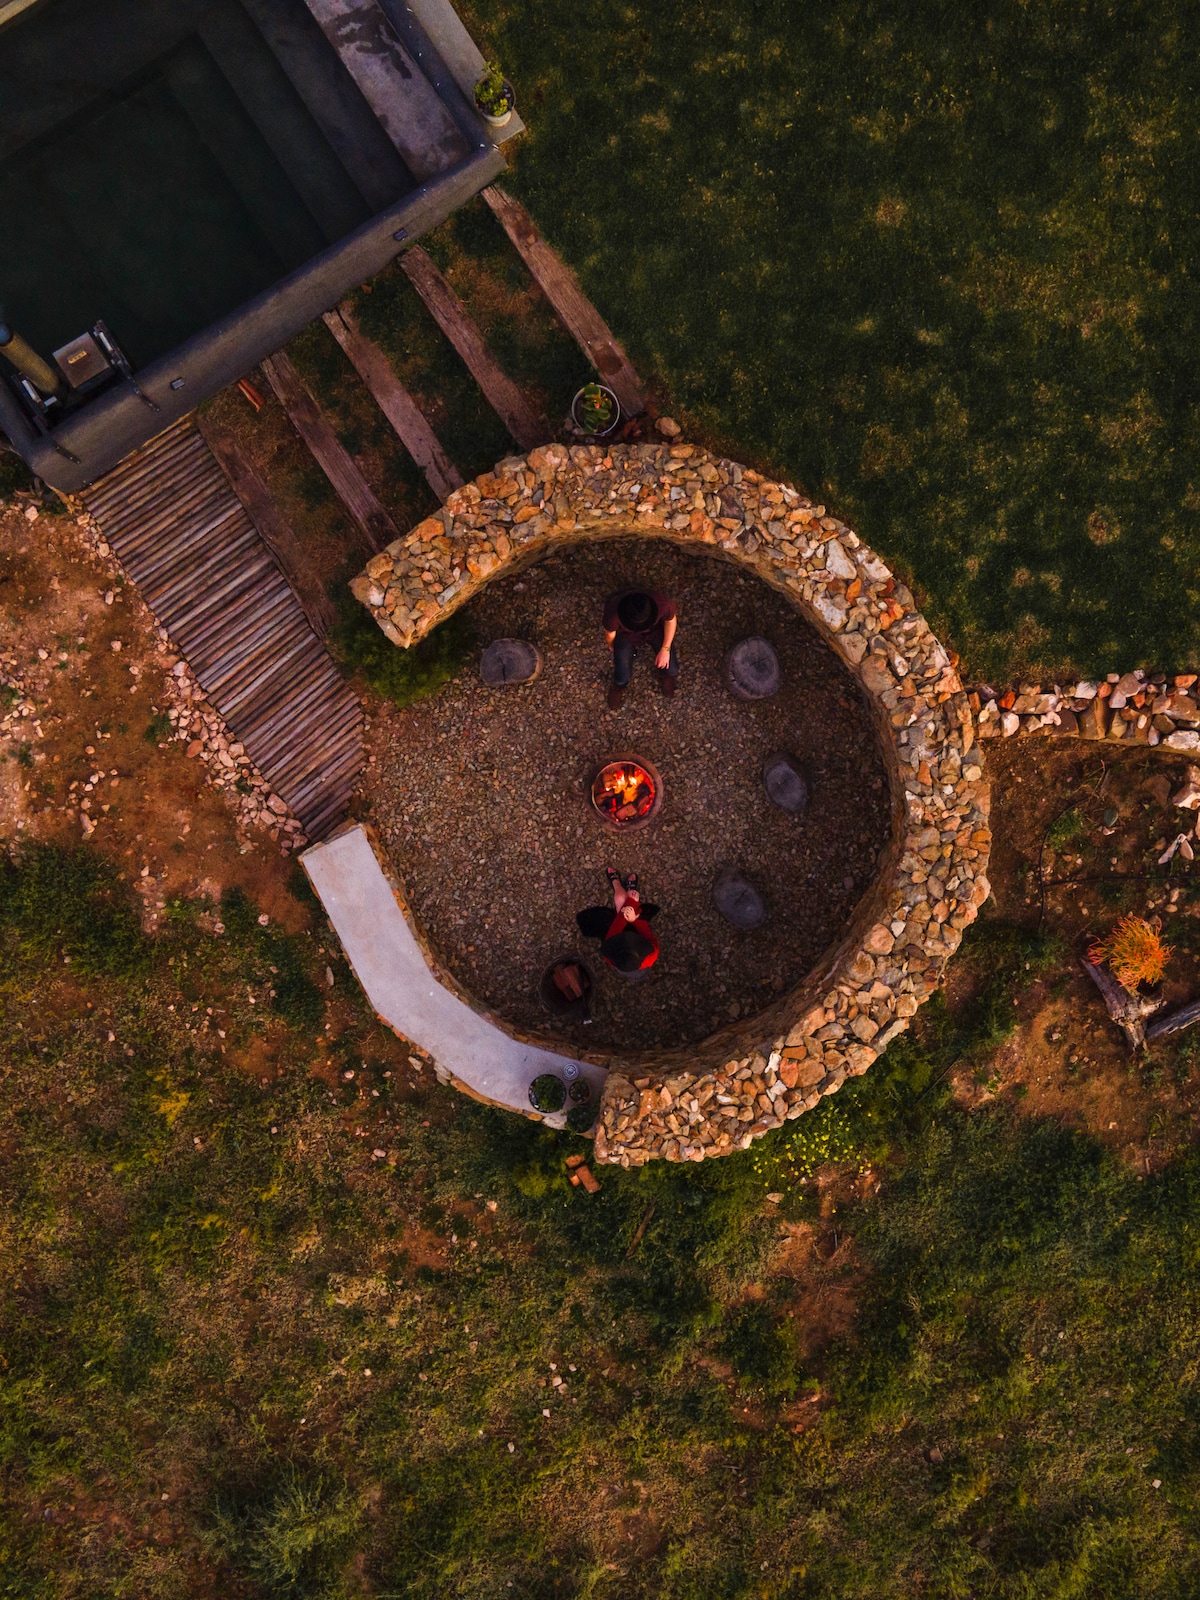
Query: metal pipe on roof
(27,361)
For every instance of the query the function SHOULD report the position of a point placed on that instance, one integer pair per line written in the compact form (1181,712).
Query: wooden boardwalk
(183,536)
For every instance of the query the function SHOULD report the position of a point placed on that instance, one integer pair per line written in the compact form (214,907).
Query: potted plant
(596,410)
(581,1118)
(547,1092)
(495,97)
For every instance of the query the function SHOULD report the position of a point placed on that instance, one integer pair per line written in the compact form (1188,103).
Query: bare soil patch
(481,796)
(83,648)
(1079,829)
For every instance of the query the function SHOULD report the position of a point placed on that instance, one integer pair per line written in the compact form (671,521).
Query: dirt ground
(1079,829)
(79,648)
(481,796)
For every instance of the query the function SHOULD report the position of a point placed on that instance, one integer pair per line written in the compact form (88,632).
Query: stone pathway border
(862,994)
(1137,707)
(369,915)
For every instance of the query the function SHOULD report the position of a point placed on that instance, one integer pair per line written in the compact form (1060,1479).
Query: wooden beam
(501,393)
(576,312)
(394,400)
(276,533)
(314,427)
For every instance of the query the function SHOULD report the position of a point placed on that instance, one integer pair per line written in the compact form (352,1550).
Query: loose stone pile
(845,1014)
(1135,707)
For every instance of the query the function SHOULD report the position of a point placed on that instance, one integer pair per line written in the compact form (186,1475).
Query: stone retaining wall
(842,1016)
(1136,707)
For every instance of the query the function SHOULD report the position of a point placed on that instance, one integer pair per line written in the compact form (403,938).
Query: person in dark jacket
(627,941)
(636,617)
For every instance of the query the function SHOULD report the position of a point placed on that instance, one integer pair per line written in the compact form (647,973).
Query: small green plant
(403,676)
(580,1118)
(14,474)
(1064,830)
(492,94)
(158,728)
(547,1092)
(595,408)
(25,755)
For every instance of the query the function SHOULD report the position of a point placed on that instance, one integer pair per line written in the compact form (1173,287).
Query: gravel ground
(481,796)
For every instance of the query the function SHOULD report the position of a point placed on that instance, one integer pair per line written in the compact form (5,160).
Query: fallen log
(1128,1011)
(1174,1021)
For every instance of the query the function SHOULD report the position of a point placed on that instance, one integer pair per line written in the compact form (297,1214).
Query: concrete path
(387,960)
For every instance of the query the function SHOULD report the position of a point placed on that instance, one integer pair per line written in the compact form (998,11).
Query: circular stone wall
(861,994)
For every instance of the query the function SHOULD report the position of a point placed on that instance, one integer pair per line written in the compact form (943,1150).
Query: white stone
(838,562)
(830,611)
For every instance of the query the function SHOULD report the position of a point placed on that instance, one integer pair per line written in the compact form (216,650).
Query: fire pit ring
(609,798)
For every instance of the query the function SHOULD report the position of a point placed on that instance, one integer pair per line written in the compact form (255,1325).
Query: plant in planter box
(547,1092)
(494,95)
(581,1118)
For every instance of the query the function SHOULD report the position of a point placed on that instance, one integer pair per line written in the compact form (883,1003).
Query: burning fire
(623,792)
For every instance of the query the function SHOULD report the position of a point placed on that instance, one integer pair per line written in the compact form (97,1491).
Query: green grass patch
(403,676)
(934,266)
(213,1293)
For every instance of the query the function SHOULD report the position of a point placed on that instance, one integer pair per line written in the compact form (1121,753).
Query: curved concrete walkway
(369,918)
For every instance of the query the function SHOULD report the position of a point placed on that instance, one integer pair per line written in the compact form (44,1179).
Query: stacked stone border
(736,1086)
(1138,707)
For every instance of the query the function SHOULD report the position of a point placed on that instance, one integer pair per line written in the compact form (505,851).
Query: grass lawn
(242,1356)
(934,262)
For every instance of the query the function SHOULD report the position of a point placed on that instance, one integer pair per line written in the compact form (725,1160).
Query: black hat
(637,610)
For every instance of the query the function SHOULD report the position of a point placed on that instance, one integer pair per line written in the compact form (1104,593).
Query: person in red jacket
(627,941)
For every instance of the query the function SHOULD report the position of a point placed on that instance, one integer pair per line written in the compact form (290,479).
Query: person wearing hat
(640,617)
(627,941)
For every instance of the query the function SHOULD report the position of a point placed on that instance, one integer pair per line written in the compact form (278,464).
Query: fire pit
(627,793)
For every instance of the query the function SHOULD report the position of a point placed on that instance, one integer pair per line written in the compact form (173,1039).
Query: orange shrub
(1134,951)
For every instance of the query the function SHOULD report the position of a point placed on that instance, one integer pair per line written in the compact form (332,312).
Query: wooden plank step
(221,538)
(186,617)
(456,322)
(222,656)
(576,312)
(183,535)
(310,726)
(394,400)
(314,427)
(121,499)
